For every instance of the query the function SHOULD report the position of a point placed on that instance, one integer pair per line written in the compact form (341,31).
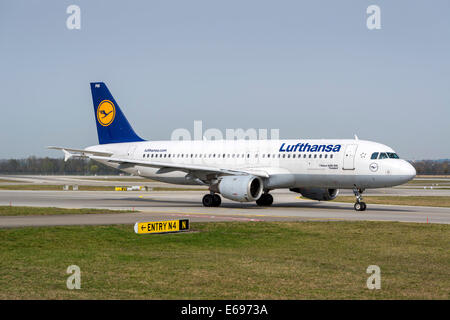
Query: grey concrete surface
(162,205)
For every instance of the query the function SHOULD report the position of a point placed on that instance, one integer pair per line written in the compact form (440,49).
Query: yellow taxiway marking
(205,213)
(242,215)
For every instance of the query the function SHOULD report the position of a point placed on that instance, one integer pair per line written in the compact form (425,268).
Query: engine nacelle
(241,188)
(317,193)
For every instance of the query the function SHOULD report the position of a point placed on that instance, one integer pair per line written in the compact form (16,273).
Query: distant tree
(431,167)
(34,165)
(93,169)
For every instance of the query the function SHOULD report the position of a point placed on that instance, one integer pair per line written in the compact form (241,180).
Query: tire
(363,206)
(266,199)
(357,206)
(208,200)
(269,199)
(216,200)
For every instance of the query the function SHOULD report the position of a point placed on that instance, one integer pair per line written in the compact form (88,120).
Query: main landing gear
(211,200)
(359,205)
(265,200)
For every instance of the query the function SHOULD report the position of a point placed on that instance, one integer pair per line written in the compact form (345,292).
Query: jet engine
(243,188)
(317,193)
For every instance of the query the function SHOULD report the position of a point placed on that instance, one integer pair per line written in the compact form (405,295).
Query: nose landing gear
(359,205)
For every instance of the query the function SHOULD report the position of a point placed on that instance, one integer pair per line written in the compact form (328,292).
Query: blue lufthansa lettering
(306,147)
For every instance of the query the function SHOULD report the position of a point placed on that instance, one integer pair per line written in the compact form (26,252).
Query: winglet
(67,155)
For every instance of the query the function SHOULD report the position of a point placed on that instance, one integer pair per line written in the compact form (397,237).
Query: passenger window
(383,156)
(315,156)
(331,156)
(374,155)
(326,156)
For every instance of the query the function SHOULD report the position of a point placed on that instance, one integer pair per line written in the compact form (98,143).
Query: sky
(311,69)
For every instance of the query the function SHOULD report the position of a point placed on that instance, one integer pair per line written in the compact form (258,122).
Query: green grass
(177,189)
(230,260)
(117,179)
(7,181)
(35,211)
(427,188)
(428,182)
(51,187)
(427,201)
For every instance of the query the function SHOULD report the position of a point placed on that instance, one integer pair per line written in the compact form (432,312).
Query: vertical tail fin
(112,125)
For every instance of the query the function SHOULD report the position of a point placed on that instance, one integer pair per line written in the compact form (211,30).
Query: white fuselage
(288,163)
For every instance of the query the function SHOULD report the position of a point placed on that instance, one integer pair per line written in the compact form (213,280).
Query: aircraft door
(349,157)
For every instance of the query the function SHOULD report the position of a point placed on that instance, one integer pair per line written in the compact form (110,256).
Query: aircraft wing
(199,171)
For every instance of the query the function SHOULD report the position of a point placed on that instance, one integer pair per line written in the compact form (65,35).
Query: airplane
(244,170)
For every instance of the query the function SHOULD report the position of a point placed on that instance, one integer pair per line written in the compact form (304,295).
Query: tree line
(432,167)
(57,166)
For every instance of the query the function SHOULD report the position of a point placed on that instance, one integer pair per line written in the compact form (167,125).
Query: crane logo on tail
(106,113)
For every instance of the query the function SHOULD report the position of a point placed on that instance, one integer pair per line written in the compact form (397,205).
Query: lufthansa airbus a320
(244,170)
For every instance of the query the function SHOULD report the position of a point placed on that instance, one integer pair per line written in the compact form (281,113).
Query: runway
(187,204)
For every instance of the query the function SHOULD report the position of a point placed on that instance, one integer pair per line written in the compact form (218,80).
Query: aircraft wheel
(266,199)
(360,206)
(208,200)
(216,200)
(364,206)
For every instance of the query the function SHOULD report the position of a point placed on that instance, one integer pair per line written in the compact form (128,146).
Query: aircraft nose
(408,170)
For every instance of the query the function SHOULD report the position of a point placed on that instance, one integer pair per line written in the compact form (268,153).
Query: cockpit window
(392,155)
(384,155)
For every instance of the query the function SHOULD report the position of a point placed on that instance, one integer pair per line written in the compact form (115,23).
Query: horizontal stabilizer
(70,152)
